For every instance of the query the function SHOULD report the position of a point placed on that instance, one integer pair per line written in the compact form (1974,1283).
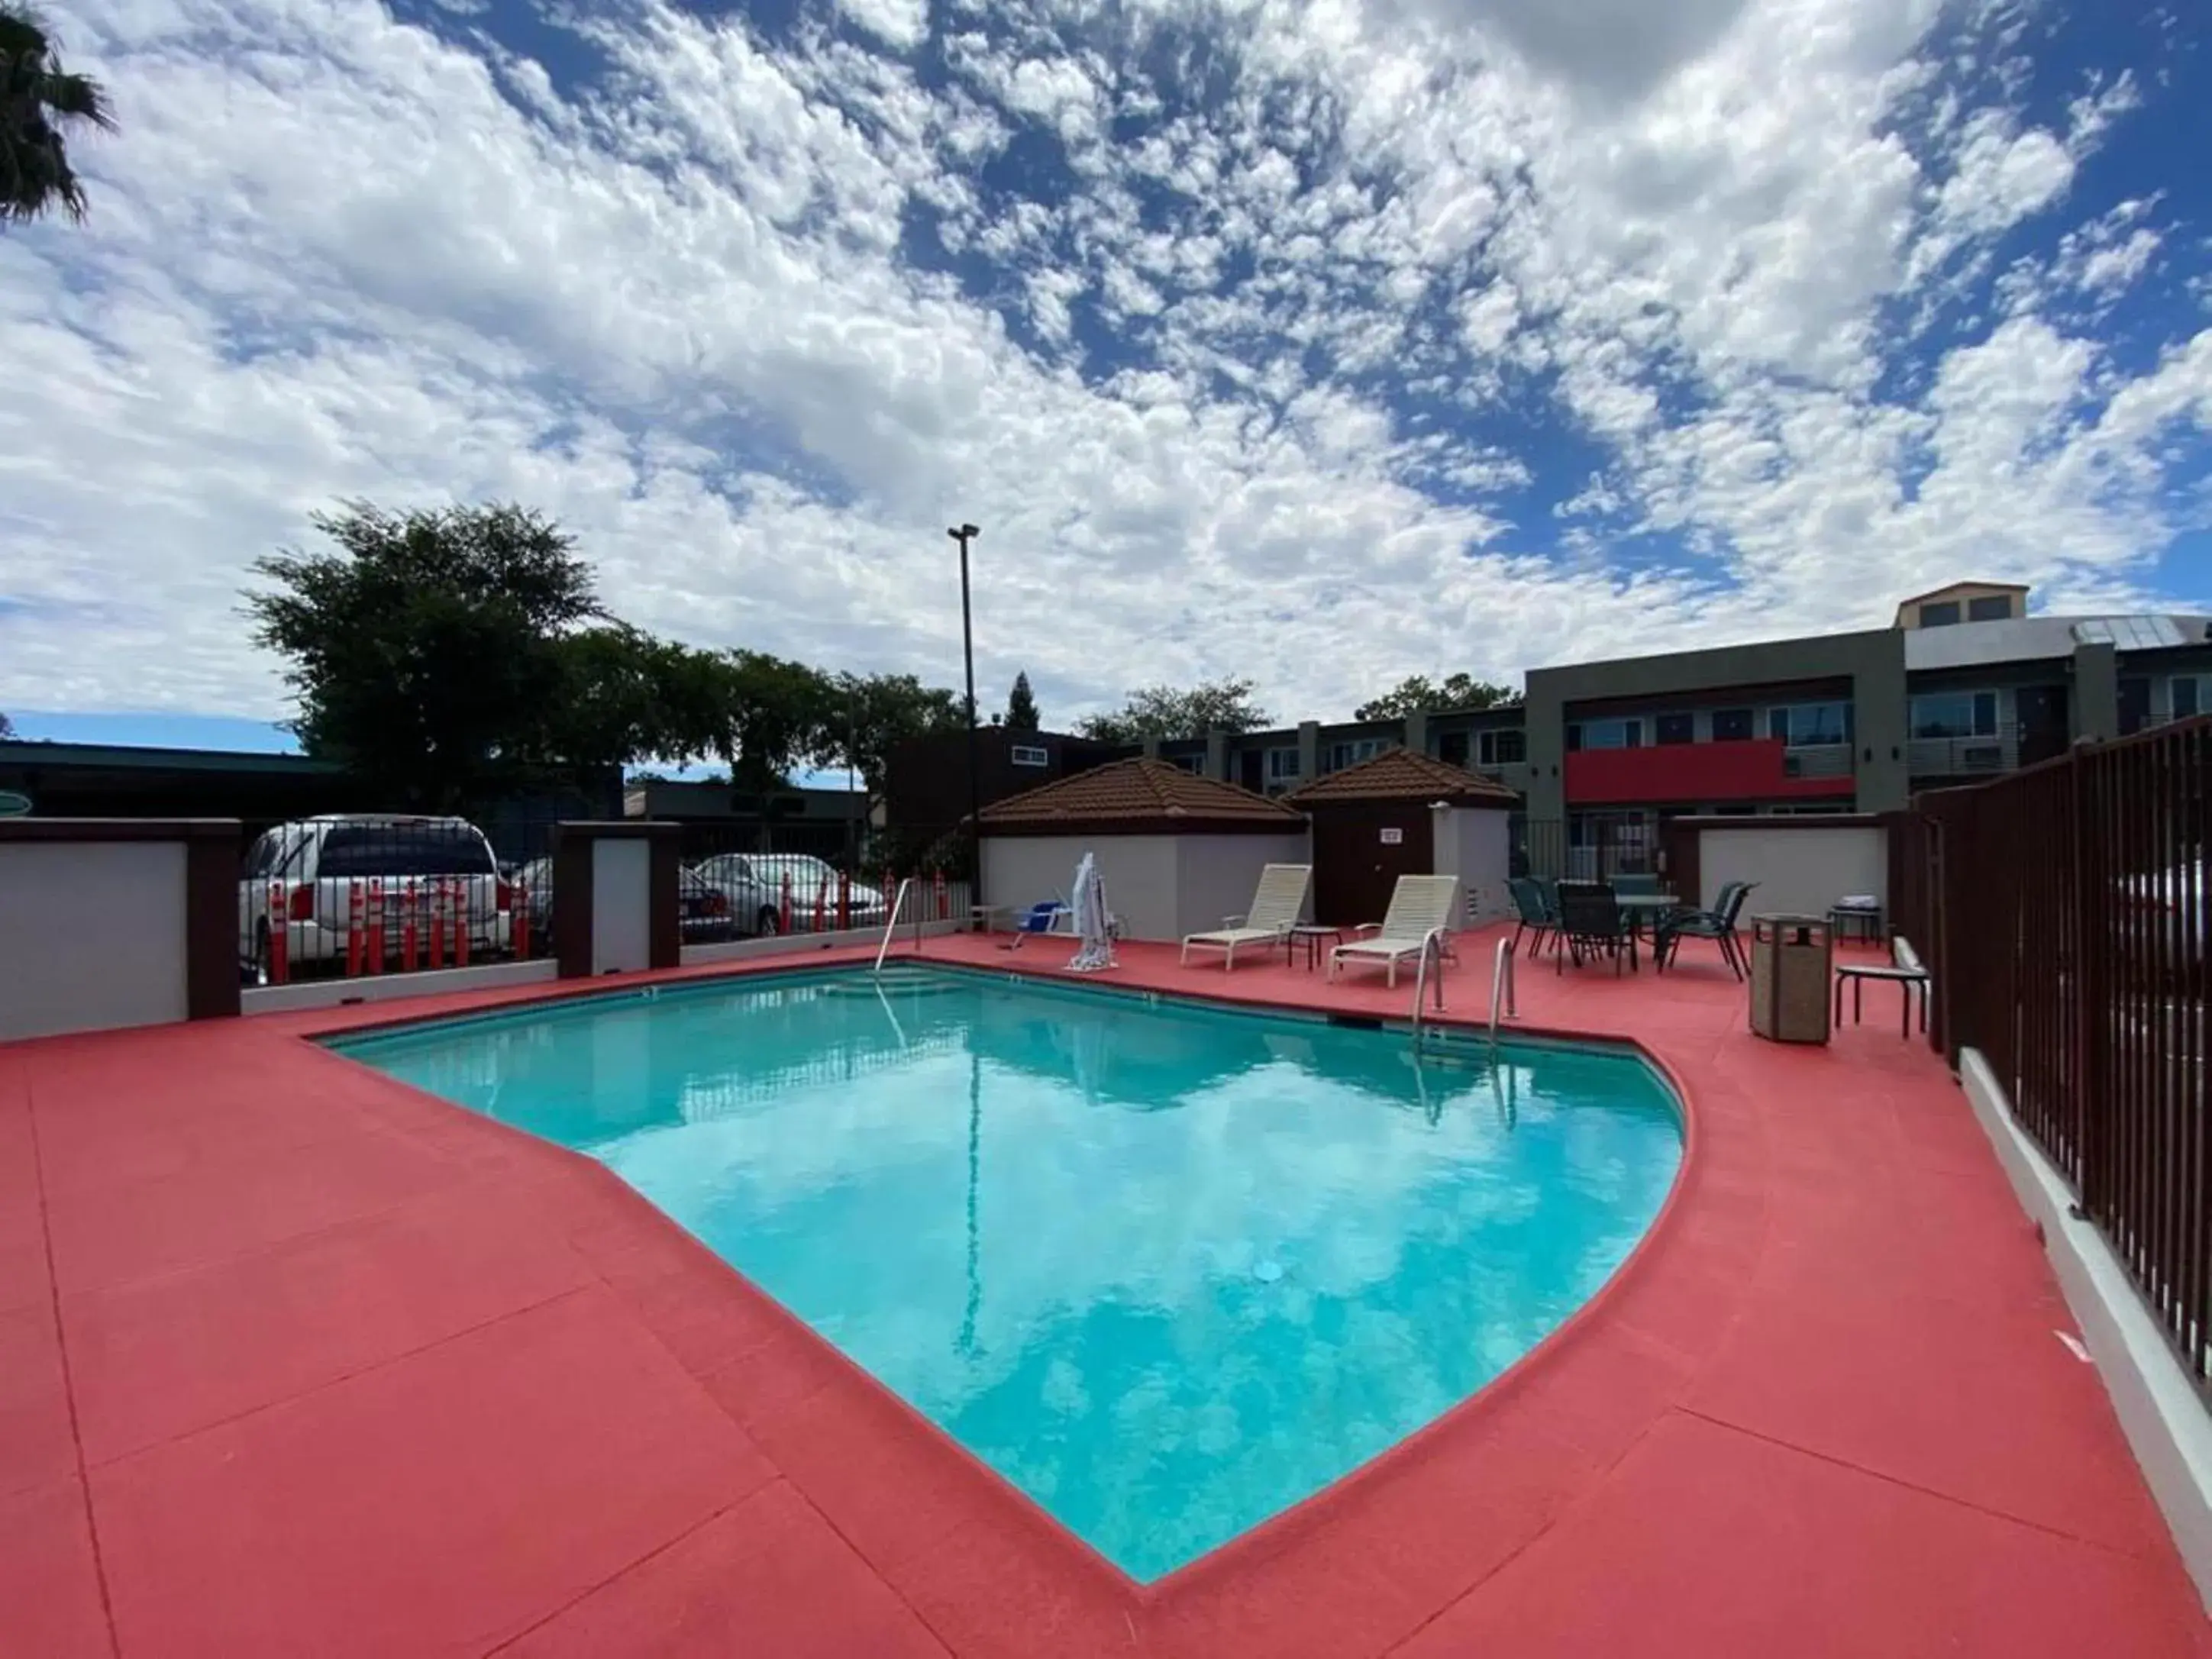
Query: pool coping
(1323,1510)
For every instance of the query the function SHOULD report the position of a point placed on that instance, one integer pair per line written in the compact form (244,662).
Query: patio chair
(1635,882)
(1549,887)
(1276,902)
(1419,906)
(1717,924)
(1591,923)
(1532,916)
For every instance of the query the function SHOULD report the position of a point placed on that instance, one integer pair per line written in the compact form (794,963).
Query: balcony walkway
(296,1361)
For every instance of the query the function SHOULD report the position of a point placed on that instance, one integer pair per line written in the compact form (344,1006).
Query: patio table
(1636,906)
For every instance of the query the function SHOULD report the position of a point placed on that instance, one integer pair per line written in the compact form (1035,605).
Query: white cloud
(900,23)
(1374,294)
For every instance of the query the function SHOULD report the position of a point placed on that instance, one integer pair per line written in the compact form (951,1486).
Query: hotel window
(1941,614)
(2187,694)
(1677,728)
(1193,763)
(1990,607)
(1027,755)
(1506,747)
(1811,723)
(1732,725)
(1955,714)
(1451,748)
(1352,752)
(1282,765)
(1606,734)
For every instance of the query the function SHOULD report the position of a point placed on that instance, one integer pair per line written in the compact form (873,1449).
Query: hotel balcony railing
(1956,757)
(1817,760)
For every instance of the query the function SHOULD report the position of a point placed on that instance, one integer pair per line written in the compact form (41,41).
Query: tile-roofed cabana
(1178,852)
(1405,813)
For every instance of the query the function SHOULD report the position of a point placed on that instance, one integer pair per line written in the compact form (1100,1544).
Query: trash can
(1791,958)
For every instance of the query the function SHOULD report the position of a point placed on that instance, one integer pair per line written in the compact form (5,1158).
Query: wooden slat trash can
(1791,959)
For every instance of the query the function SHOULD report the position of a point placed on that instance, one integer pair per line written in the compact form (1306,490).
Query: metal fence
(400,893)
(2065,912)
(800,878)
(369,894)
(1590,846)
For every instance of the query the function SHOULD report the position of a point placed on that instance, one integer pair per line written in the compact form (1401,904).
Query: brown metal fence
(2064,912)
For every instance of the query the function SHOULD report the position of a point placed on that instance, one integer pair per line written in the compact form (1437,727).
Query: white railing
(891,921)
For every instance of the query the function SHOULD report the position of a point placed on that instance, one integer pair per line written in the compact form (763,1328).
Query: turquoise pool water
(1169,1270)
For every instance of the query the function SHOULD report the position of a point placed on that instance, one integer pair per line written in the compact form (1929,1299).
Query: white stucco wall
(1475,845)
(91,935)
(1799,872)
(1217,875)
(621,919)
(1140,872)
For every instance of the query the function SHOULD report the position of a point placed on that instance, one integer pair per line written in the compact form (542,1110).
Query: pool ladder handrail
(1501,985)
(891,921)
(1432,943)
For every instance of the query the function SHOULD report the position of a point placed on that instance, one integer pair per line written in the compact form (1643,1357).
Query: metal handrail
(1501,980)
(1433,938)
(891,921)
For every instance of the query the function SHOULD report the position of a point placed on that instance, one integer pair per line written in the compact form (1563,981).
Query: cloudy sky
(1315,341)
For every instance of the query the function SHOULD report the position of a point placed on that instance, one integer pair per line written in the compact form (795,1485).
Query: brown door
(1360,852)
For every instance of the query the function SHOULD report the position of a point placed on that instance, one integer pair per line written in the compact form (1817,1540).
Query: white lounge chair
(1418,905)
(1276,902)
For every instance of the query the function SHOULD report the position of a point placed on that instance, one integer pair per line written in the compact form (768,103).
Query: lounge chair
(1717,924)
(1592,924)
(1419,906)
(1532,915)
(1276,902)
(1043,917)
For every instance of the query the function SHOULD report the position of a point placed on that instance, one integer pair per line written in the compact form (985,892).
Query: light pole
(963,534)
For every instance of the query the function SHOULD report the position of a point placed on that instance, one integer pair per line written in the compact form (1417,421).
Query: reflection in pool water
(1167,1269)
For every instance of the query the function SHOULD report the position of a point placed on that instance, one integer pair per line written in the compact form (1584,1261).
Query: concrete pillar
(1217,755)
(1417,732)
(1545,720)
(615,897)
(2096,712)
(1151,747)
(1881,718)
(1309,749)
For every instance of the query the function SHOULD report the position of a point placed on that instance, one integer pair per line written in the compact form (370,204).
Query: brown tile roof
(1401,774)
(1137,795)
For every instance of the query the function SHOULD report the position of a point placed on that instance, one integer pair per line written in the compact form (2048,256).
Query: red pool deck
(296,1361)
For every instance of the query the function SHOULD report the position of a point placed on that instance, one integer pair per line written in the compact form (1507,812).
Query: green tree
(870,715)
(1021,706)
(40,105)
(436,652)
(7,726)
(775,715)
(1416,695)
(618,701)
(1163,712)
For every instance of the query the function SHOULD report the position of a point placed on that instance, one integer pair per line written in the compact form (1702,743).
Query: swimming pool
(1168,1269)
